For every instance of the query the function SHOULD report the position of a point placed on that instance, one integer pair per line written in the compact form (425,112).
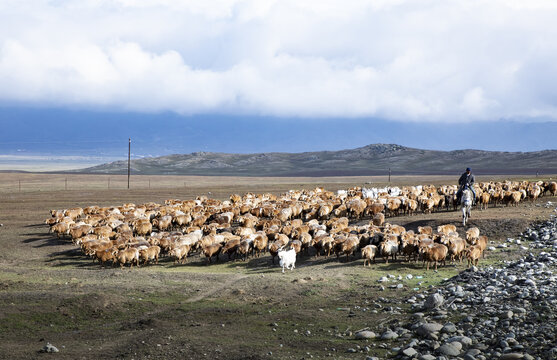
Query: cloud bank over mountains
(454,61)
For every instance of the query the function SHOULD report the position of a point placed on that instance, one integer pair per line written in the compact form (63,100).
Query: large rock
(427,329)
(49,348)
(409,352)
(389,335)
(511,356)
(449,328)
(434,301)
(464,340)
(448,349)
(365,335)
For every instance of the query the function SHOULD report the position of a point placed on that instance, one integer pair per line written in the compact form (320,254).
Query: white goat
(287,259)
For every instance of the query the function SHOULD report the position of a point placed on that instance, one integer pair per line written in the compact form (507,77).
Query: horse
(466,202)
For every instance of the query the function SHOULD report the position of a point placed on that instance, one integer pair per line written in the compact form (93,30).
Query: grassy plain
(49,292)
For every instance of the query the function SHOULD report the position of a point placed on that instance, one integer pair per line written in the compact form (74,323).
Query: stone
(511,356)
(427,357)
(49,348)
(389,335)
(434,301)
(464,340)
(365,335)
(427,329)
(448,328)
(448,349)
(409,352)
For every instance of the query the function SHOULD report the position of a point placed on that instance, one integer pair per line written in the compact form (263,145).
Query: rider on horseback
(466,181)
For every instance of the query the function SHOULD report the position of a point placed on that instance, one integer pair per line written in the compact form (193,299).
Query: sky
(80,77)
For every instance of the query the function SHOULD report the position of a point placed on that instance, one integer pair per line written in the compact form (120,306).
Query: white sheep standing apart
(287,259)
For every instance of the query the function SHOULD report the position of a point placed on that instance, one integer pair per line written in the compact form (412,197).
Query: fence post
(19,181)
(66,184)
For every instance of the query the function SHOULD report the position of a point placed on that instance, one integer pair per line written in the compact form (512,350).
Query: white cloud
(408,60)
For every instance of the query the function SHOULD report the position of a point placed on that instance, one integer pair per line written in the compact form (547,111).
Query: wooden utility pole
(129,157)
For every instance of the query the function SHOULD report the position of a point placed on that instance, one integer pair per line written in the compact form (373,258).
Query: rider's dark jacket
(466,179)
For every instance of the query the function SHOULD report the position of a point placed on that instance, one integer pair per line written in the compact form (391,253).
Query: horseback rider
(466,181)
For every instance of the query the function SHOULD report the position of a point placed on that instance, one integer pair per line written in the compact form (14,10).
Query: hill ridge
(372,159)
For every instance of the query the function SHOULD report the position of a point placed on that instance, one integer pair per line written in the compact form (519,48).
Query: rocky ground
(506,312)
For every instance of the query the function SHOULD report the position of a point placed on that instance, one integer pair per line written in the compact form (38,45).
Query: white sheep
(287,259)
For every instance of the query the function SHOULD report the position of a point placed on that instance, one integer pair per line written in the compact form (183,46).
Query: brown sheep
(181,221)
(142,227)
(106,255)
(79,231)
(484,200)
(349,246)
(411,206)
(552,187)
(435,253)
(231,247)
(456,248)
(368,253)
(60,229)
(327,244)
(244,248)
(356,208)
(260,243)
(211,250)
(425,230)
(150,253)
(296,245)
(130,255)
(378,219)
(74,213)
(375,208)
(472,234)
(324,211)
(163,223)
(274,248)
(481,242)
(473,254)
(180,253)
(103,231)
(446,229)
(393,206)
(409,246)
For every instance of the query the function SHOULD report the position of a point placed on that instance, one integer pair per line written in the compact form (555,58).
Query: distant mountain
(375,159)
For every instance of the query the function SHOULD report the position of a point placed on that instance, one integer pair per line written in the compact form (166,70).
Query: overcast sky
(400,60)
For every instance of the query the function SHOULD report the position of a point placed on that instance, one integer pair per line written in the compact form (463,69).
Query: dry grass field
(49,292)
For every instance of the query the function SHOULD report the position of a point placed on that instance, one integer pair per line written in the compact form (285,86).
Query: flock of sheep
(288,225)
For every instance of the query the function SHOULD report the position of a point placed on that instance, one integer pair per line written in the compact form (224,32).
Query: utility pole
(129,157)
(389,175)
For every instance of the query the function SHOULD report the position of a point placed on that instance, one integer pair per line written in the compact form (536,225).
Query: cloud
(405,60)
